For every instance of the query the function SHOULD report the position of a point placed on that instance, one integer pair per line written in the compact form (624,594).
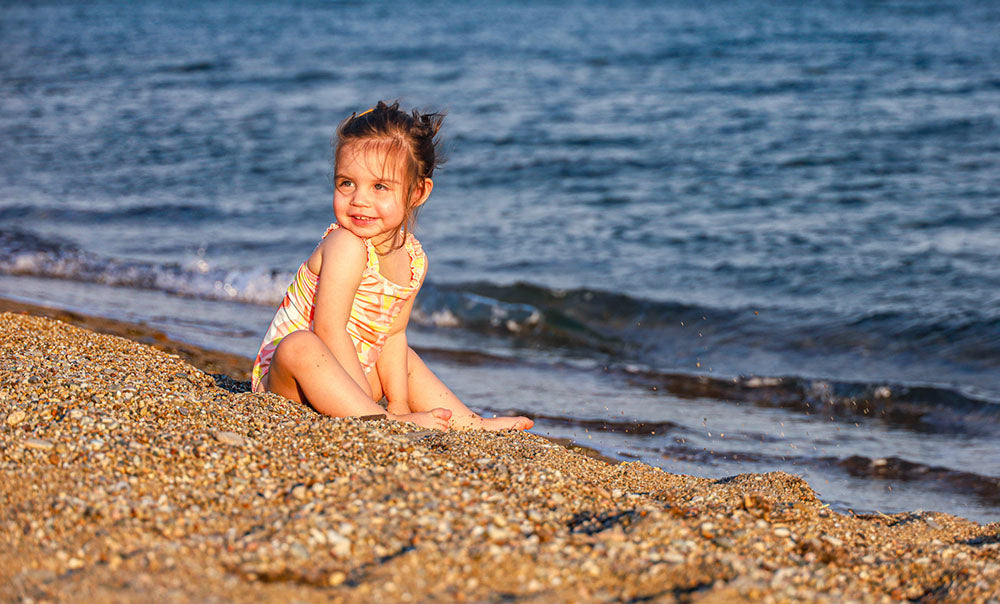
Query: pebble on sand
(229,438)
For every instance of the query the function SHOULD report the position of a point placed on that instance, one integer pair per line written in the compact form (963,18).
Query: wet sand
(129,474)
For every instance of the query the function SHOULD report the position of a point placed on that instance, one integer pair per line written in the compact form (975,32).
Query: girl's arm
(392,366)
(392,371)
(339,261)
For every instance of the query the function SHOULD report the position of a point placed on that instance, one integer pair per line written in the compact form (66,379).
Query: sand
(210,361)
(128,474)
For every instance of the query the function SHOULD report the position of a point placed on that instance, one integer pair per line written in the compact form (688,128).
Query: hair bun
(431,122)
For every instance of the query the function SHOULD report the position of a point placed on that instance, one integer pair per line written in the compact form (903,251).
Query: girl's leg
(303,369)
(427,391)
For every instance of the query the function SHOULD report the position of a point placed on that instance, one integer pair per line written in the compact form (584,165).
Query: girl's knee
(295,347)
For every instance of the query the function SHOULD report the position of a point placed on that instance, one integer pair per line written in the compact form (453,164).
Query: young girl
(338,340)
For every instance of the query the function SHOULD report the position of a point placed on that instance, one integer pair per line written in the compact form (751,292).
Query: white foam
(197,279)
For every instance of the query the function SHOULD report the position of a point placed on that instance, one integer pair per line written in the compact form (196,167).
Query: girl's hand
(435,419)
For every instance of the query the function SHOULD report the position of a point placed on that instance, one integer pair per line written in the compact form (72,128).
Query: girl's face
(369,198)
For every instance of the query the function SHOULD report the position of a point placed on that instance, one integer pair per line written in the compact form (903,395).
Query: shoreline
(133,475)
(211,361)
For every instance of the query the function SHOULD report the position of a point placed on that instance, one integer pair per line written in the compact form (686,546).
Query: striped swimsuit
(377,303)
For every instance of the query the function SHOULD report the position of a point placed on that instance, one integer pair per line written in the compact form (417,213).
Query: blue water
(750,216)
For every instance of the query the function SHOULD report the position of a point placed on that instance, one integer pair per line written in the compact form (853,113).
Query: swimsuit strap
(372,254)
(418,260)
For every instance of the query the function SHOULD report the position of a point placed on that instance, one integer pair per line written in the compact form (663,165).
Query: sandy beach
(131,473)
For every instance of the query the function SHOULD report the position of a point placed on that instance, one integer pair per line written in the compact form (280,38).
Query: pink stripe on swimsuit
(377,303)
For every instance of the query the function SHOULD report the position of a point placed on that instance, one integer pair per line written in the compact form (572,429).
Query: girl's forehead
(380,159)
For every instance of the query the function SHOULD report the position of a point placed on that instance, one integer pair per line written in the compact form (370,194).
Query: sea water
(750,236)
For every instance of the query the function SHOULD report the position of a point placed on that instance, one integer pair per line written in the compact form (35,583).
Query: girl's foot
(495,424)
(435,419)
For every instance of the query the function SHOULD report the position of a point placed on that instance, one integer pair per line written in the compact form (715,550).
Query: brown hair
(388,128)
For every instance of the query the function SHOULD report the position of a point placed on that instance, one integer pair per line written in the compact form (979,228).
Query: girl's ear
(422,192)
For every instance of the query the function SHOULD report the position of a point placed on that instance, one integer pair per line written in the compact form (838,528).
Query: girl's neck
(386,243)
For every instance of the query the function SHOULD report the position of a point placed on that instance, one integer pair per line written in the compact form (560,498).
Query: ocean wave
(189,213)
(217,77)
(894,468)
(27,254)
(920,409)
(617,329)
(925,409)
(612,426)
(197,66)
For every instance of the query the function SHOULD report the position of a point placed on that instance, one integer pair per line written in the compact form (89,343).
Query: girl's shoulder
(335,232)
(339,246)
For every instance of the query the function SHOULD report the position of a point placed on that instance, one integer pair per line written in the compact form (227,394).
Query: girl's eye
(381,187)
(344,183)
